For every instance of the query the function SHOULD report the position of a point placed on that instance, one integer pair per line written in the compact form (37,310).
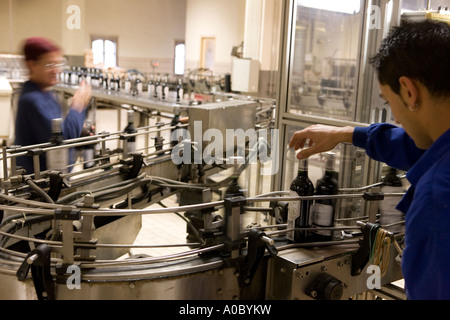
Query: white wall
(223,20)
(29,18)
(146,29)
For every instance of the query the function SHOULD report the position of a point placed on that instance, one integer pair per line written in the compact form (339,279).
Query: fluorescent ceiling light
(343,6)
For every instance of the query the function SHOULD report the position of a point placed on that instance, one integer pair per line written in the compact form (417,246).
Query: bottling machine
(66,235)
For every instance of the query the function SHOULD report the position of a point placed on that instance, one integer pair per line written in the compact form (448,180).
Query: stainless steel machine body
(324,78)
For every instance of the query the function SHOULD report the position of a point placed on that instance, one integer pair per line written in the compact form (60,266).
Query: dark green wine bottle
(324,210)
(299,211)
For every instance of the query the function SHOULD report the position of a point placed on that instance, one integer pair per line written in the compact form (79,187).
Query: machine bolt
(324,268)
(32,258)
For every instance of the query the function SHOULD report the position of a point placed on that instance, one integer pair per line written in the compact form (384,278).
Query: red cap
(36,46)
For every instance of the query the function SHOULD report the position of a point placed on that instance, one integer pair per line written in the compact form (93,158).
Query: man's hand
(81,97)
(320,138)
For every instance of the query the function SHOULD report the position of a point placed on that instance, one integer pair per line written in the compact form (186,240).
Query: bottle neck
(302,173)
(329,173)
(303,168)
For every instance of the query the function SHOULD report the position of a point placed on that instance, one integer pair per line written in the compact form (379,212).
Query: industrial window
(104,52)
(180,55)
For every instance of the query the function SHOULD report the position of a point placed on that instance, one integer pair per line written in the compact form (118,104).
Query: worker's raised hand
(81,97)
(319,138)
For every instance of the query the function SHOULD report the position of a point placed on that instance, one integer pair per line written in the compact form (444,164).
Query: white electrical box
(245,76)
(5,107)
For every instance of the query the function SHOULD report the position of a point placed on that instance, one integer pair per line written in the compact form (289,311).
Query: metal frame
(367,97)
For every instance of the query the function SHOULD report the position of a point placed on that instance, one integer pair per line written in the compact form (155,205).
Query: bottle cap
(130,114)
(330,159)
(57,125)
(303,164)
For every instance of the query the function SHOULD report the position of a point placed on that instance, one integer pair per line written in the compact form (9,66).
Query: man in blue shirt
(37,106)
(413,66)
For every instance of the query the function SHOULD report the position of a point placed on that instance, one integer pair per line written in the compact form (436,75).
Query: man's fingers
(306,153)
(297,141)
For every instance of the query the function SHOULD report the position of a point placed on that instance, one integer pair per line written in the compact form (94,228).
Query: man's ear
(409,92)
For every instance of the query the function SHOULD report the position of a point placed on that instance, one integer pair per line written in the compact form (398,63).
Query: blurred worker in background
(413,66)
(37,105)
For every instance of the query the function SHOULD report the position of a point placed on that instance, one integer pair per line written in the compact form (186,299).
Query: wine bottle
(299,211)
(151,87)
(88,77)
(388,212)
(323,210)
(88,150)
(157,94)
(180,90)
(94,79)
(116,82)
(77,76)
(107,82)
(128,85)
(100,78)
(129,129)
(57,159)
(82,77)
(139,86)
(69,76)
(164,89)
(74,76)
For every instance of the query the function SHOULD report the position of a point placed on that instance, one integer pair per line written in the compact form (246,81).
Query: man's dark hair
(418,50)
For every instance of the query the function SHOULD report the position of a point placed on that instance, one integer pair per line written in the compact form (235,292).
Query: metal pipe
(108,263)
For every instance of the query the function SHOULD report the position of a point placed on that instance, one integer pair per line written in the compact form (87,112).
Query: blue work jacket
(36,109)
(426,204)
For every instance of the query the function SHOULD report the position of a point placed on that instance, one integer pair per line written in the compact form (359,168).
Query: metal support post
(234,239)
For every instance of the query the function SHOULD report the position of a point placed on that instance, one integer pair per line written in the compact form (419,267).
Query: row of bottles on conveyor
(92,76)
(58,159)
(320,213)
(157,87)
